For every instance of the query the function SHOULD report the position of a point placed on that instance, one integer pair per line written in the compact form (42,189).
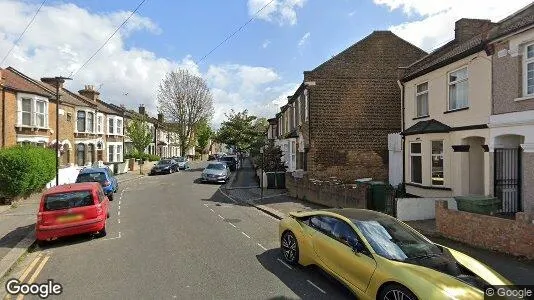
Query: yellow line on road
(30,267)
(34,276)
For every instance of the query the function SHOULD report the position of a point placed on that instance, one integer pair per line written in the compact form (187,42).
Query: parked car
(164,166)
(230,161)
(72,209)
(380,257)
(183,163)
(213,157)
(215,172)
(104,176)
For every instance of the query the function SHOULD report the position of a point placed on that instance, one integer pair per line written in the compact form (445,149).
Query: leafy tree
(140,134)
(272,158)
(185,101)
(203,134)
(243,131)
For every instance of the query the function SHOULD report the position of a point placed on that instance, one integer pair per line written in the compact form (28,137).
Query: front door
(507,178)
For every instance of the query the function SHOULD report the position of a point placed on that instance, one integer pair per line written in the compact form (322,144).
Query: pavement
(171,237)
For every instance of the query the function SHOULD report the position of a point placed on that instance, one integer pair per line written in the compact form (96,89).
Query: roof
(17,81)
(106,108)
(357,214)
(92,170)
(428,126)
(72,187)
(445,55)
(73,98)
(514,22)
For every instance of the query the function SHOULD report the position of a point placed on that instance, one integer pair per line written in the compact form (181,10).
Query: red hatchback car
(72,209)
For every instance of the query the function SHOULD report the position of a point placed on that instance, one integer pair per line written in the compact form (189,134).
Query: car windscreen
(228,159)
(393,240)
(68,200)
(215,167)
(91,177)
(164,162)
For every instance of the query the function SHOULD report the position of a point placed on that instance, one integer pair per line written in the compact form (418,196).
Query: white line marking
(119,207)
(212,210)
(284,263)
(205,205)
(119,202)
(221,217)
(119,213)
(233,225)
(119,220)
(113,238)
(261,246)
(245,234)
(315,286)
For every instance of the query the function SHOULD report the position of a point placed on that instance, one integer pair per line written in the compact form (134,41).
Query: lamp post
(261,178)
(59,80)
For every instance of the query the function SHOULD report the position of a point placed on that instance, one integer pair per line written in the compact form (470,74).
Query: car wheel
(290,248)
(396,292)
(102,233)
(41,243)
(110,197)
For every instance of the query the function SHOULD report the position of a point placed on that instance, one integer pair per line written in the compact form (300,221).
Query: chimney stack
(464,29)
(122,106)
(90,92)
(53,82)
(142,110)
(160,118)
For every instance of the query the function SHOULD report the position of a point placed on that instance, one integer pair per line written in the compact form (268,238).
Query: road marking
(119,202)
(232,225)
(261,246)
(30,267)
(206,205)
(284,263)
(315,286)
(245,234)
(212,210)
(39,269)
(113,238)
(119,213)
(221,217)
(119,207)
(119,220)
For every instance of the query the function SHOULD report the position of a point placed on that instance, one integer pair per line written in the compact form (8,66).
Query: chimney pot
(142,110)
(464,29)
(90,93)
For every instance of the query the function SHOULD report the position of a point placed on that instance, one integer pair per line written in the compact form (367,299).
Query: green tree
(203,134)
(140,134)
(243,131)
(272,158)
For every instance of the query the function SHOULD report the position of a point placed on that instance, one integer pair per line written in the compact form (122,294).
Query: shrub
(151,157)
(25,170)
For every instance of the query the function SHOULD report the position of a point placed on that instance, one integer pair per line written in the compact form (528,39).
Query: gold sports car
(379,257)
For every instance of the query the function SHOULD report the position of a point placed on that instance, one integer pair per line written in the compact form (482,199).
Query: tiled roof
(17,81)
(107,109)
(428,126)
(445,55)
(73,98)
(514,22)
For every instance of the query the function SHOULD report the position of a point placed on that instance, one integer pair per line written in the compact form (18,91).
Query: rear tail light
(39,217)
(99,209)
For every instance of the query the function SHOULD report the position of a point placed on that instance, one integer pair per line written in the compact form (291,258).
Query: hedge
(25,170)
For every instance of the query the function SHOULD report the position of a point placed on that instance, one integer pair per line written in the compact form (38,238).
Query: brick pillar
(527,195)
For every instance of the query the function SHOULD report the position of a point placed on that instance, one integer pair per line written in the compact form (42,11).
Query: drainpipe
(403,125)
(3,117)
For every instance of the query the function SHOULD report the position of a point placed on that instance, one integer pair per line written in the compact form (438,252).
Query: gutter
(403,125)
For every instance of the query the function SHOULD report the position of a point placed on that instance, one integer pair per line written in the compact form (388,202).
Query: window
(306,105)
(415,159)
(110,125)
(40,114)
(437,163)
(99,124)
(90,152)
(80,154)
(529,71)
(111,153)
(421,99)
(119,153)
(26,111)
(90,120)
(458,89)
(119,126)
(80,125)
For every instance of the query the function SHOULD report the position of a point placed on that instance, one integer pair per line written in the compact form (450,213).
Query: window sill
(455,110)
(432,187)
(421,117)
(33,127)
(529,97)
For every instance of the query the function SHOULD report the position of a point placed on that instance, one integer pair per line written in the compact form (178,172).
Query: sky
(256,69)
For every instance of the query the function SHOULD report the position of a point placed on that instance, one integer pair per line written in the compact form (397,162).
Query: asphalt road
(170,237)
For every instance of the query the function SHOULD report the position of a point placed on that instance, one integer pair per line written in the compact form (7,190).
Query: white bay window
(115,125)
(528,73)
(32,111)
(85,121)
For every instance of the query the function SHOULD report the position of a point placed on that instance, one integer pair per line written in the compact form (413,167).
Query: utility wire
(72,74)
(235,32)
(23,32)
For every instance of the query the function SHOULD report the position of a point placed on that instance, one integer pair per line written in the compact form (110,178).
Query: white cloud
(265,44)
(283,12)
(120,70)
(434,24)
(352,13)
(304,39)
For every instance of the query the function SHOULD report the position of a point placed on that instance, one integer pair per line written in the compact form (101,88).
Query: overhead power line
(72,74)
(23,32)
(235,32)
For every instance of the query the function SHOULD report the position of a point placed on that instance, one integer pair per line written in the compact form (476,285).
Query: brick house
(511,133)
(337,121)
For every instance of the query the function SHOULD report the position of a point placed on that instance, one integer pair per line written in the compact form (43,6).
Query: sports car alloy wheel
(395,294)
(290,248)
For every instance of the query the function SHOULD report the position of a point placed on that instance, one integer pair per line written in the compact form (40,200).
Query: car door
(357,268)
(112,179)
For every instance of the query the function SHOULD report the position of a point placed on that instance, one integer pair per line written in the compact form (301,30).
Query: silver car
(215,172)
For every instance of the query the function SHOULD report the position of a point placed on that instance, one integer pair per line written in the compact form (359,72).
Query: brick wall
(325,193)
(66,132)
(514,237)
(354,105)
